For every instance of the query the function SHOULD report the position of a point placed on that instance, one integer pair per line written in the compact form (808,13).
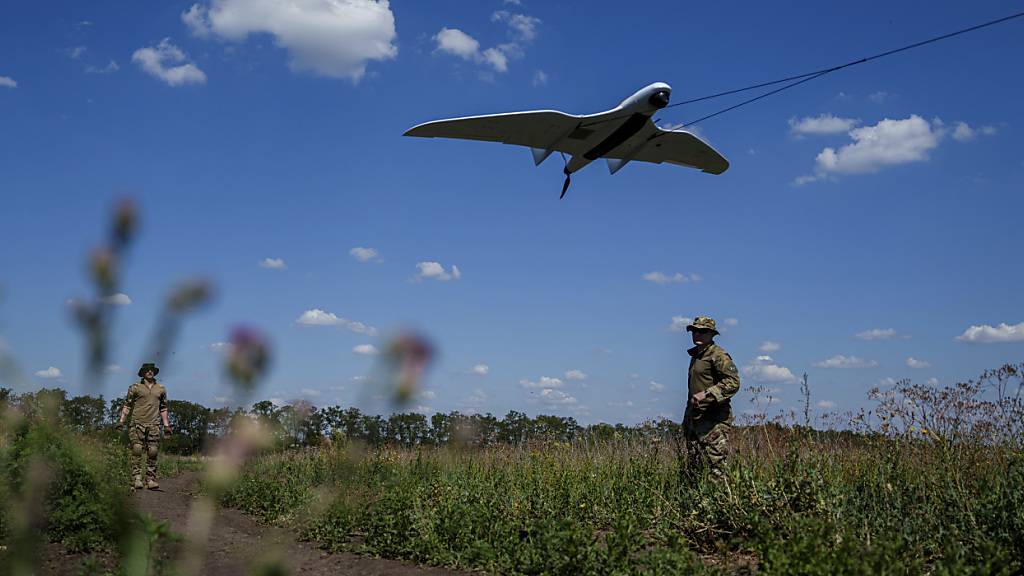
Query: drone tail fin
(540,155)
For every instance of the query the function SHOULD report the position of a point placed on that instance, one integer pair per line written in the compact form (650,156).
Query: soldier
(147,404)
(713,380)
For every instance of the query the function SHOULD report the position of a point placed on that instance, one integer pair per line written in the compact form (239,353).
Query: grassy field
(793,502)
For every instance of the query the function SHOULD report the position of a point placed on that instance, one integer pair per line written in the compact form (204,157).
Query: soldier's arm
(163,410)
(727,376)
(129,401)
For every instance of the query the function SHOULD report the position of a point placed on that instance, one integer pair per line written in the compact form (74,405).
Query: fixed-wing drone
(620,135)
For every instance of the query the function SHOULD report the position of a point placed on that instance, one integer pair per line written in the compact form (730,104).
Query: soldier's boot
(151,484)
(137,483)
(151,454)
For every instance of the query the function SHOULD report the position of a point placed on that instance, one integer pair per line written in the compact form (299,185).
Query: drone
(620,135)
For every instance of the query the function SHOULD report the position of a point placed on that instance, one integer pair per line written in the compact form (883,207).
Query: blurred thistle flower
(103,267)
(407,357)
(248,357)
(189,295)
(125,221)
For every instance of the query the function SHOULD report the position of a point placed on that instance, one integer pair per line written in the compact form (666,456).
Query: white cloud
(986,334)
(221,399)
(366,350)
(156,61)
(963,132)
(118,299)
(764,369)
(823,124)
(932,381)
(656,387)
(544,382)
(769,346)
(731,322)
(840,361)
(220,347)
(112,369)
(678,278)
(679,323)
(435,271)
(334,38)
(878,97)
(826,404)
(75,52)
(110,68)
(888,143)
(878,334)
(539,78)
(363,254)
(575,375)
(273,263)
(523,29)
(475,401)
(915,363)
(887,381)
(309,392)
(480,369)
(8,82)
(318,317)
(553,398)
(427,395)
(51,373)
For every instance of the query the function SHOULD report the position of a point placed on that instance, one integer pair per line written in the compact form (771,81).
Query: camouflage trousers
(144,439)
(707,442)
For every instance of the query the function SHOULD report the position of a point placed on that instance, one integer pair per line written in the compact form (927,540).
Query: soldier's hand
(168,431)
(698,398)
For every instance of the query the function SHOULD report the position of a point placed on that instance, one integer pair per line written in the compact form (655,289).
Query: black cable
(816,74)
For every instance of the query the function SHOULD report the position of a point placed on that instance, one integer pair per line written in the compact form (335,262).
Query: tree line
(301,423)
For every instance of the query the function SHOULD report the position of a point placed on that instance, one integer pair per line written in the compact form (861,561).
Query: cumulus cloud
(273,263)
(521,27)
(553,398)
(915,363)
(159,61)
(840,361)
(769,346)
(819,125)
(118,299)
(826,404)
(679,323)
(656,387)
(963,132)
(51,373)
(480,369)
(333,38)
(544,382)
(75,52)
(366,350)
(363,254)
(659,277)
(539,78)
(435,271)
(318,317)
(8,82)
(764,369)
(575,375)
(985,334)
(888,143)
(932,381)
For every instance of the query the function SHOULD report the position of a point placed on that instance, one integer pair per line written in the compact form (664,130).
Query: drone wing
(544,129)
(675,147)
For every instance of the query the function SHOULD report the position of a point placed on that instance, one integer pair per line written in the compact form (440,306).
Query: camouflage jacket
(146,402)
(713,371)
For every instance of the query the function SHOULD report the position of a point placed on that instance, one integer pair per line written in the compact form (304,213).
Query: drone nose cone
(659,99)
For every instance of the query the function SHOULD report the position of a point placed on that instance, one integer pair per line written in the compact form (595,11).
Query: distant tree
(84,413)
(190,422)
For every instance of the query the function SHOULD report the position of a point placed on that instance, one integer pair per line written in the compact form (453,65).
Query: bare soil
(238,543)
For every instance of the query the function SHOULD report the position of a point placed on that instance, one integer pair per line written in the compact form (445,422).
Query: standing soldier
(713,380)
(147,404)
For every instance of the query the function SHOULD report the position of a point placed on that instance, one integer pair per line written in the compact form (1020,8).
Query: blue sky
(867,229)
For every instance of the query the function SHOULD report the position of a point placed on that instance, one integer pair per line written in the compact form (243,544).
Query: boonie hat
(702,323)
(150,366)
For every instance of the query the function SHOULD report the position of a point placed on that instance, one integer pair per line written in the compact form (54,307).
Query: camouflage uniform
(146,403)
(706,428)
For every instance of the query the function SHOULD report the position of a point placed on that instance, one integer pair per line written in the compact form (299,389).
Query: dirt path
(237,541)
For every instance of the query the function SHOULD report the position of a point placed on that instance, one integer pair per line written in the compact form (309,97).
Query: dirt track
(237,541)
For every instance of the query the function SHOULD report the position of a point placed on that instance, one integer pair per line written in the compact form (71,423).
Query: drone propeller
(568,177)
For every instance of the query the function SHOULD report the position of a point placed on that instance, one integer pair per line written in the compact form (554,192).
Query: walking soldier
(713,380)
(147,403)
